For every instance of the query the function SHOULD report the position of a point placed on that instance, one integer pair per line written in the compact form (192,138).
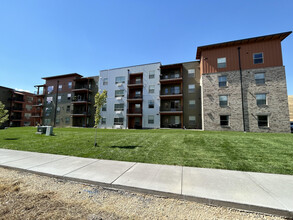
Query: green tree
(100,100)
(3,113)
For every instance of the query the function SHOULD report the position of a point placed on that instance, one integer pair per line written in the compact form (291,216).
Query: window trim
(221,67)
(153,103)
(264,78)
(263,60)
(118,122)
(227,102)
(226,84)
(191,90)
(266,99)
(152,91)
(151,122)
(260,126)
(123,81)
(152,76)
(223,125)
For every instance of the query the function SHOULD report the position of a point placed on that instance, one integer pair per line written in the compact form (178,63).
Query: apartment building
(244,85)
(133,97)
(68,100)
(22,107)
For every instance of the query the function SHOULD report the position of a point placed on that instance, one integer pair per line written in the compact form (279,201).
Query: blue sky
(49,37)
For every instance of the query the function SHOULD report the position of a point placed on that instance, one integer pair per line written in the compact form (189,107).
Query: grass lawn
(270,153)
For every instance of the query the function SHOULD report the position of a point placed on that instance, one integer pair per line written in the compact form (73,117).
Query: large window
(120,79)
(119,107)
(259,78)
(105,81)
(192,120)
(223,99)
(191,88)
(151,104)
(69,85)
(261,99)
(221,62)
(191,73)
(151,119)
(50,89)
(59,98)
(257,58)
(118,121)
(262,121)
(224,120)
(151,89)
(222,81)
(119,93)
(191,103)
(152,74)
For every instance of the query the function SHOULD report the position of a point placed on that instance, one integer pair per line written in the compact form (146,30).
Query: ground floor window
(103,121)
(118,121)
(263,121)
(224,120)
(192,120)
(47,121)
(151,119)
(67,120)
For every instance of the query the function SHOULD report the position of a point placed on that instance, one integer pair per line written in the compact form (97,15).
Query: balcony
(171,111)
(36,115)
(16,99)
(134,98)
(80,101)
(37,104)
(16,118)
(171,79)
(79,113)
(171,95)
(16,109)
(134,112)
(81,88)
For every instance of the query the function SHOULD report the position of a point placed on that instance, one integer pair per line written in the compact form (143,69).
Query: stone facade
(276,107)
(290,99)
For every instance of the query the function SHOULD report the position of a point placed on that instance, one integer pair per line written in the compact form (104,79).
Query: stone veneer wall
(276,108)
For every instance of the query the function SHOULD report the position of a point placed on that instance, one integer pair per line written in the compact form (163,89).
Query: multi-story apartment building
(68,100)
(21,107)
(133,97)
(244,85)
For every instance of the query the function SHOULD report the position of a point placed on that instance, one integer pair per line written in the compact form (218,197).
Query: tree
(100,100)
(3,113)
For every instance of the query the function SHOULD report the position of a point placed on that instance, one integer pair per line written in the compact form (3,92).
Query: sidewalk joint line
(123,173)
(96,160)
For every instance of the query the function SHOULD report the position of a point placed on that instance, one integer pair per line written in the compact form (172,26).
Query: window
(105,81)
(68,108)
(261,99)
(191,73)
(27,123)
(174,90)
(60,88)
(57,121)
(69,96)
(222,81)
(69,85)
(50,89)
(151,89)
(59,98)
(152,74)
(118,121)
(48,111)
(104,107)
(259,78)
(28,107)
(27,115)
(262,121)
(137,94)
(120,79)
(137,108)
(192,120)
(191,103)
(257,58)
(103,122)
(67,120)
(58,110)
(223,100)
(49,100)
(151,119)
(30,99)
(119,93)
(137,80)
(119,107)
(224,120)
(191,88)
(47,121)
(221,62)
(151,104)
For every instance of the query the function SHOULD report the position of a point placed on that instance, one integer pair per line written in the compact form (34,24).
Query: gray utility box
(48,130)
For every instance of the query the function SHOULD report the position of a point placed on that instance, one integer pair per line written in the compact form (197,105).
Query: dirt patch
(29,196)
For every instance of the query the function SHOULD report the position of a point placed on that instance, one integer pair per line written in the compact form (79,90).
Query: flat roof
(62,76)
(280,36)
(131,66)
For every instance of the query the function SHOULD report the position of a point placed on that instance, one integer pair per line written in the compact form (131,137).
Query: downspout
(241,84)
(56,101)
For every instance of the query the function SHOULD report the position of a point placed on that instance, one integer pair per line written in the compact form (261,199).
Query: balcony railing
(134,111)
(135,97)
(171,109)
(171,93)
(17,99)
(79,112)
(36,115)
(81,87)
(15,117)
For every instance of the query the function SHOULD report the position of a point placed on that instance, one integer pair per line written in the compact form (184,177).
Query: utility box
(48,130)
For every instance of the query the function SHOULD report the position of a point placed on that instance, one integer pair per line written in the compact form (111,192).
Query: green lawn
(270,153)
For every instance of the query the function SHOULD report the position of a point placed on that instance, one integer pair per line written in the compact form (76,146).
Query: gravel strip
(28,196)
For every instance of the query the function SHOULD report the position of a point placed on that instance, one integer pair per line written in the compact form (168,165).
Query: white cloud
(22,90)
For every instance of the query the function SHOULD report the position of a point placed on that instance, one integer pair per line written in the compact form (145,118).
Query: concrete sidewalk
(268,193)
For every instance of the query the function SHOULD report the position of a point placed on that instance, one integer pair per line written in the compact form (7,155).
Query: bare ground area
(29,196)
